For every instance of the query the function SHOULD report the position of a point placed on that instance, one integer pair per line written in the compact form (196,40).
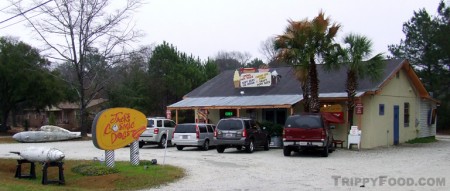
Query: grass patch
(422,140)
(7,139)
(123,176)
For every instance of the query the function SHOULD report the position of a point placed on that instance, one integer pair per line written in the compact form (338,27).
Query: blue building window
(381,109)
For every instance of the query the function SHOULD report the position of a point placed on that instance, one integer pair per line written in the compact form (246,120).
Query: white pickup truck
(159,131)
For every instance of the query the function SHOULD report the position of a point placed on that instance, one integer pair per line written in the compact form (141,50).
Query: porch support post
(176,116)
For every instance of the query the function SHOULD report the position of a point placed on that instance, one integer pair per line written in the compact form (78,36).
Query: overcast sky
(205,27)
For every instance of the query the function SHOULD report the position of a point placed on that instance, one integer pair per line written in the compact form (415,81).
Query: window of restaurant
(275,115)
(406,114)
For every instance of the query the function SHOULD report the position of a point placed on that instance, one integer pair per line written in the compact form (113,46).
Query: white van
(194,135)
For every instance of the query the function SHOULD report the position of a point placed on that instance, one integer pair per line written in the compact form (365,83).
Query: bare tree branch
(77,31)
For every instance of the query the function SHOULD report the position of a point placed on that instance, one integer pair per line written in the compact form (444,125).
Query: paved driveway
(405,167)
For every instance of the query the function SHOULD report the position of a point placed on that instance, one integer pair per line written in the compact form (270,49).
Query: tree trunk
(351,92)
(83,127)
(314,86)
(83,105)
(302,76)
(305,90)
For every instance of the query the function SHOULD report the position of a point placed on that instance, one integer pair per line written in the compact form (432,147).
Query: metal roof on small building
(268,101)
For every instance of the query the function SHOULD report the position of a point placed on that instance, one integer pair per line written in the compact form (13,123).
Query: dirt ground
(404,167)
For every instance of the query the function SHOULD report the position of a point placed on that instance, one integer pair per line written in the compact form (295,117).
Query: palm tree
(303,45)
(356,49)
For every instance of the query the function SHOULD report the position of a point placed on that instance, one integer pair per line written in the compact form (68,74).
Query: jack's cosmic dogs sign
(117,127)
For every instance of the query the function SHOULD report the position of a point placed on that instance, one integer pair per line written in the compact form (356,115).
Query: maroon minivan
(307,131)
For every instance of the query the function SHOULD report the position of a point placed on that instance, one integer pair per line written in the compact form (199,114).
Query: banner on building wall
(334,110)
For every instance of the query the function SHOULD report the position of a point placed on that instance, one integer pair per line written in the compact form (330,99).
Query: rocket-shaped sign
(47,133)
(41,154)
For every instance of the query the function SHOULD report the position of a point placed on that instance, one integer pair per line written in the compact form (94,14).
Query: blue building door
(396,125)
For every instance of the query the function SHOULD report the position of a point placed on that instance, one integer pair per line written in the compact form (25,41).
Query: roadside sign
(115,128)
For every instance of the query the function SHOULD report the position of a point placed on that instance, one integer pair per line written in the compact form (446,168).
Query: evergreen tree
(427,46)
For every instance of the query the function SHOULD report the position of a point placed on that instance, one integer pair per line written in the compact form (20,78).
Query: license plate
(304,143)
(229,135)
(184,137)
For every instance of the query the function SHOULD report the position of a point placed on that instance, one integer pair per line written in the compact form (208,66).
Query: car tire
(250,147)
(205,146)
(141,144)
(220,149)
(286,151)
(180,148)
(266,145)
(162,142)
(325,151)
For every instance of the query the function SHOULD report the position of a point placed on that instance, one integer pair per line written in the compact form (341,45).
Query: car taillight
(215,133)
(284,133)
(324,134)
(244,133)
(155,131)
(197,132)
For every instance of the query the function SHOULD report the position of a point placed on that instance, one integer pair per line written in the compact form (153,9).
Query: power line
(20,21)
(25,11)
(10,5)
(6,7)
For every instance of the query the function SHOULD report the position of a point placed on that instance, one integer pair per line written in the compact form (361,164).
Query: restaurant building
(390,111)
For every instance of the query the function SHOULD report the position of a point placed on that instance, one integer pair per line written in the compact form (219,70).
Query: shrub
(52,119)
(93,170)
(273,129)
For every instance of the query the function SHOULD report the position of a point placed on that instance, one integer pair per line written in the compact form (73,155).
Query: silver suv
(240,132)
(194,135)
(159,130)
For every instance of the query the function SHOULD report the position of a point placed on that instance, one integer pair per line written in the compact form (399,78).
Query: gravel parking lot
(405,167)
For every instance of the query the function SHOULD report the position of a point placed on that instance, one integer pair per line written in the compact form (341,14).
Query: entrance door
(396,125)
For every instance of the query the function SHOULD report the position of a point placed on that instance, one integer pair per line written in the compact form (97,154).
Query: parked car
(307,131)
(194,135)
(159,129)
(239,133)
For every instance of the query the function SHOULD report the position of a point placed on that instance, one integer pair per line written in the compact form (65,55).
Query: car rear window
(202,128)
(307,121)
(210,128)
(229,125)
(150,123)
(185,128)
